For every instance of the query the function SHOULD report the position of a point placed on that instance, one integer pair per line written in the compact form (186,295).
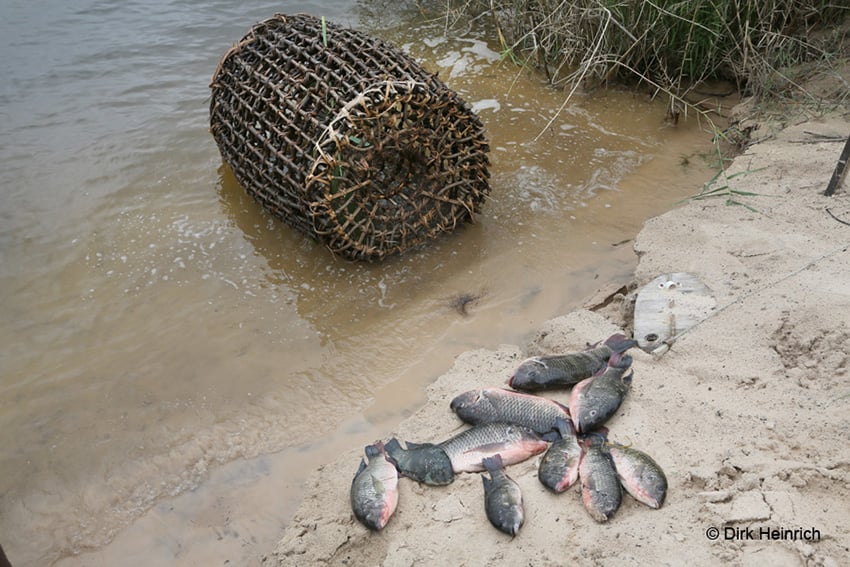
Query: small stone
(448,510)
(716,496)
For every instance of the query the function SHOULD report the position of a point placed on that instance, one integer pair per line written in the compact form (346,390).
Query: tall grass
(674,46)
(669,44)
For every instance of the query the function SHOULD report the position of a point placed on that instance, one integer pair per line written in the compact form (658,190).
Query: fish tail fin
(393,446)
(618,360)
(393,450)
(375,449)
(565,427)
(492,463)
(551,436)
(620,343)
(596,437)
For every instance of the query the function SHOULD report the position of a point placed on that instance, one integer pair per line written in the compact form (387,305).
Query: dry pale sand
(747,413)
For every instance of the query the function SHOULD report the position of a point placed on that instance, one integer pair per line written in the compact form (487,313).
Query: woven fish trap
(346,138)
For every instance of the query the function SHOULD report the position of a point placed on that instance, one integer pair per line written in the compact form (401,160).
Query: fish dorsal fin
(361,468)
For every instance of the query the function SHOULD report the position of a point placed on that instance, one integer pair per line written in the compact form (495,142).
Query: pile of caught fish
(509,427)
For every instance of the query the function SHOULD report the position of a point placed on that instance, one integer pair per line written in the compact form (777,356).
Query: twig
(840,170)
(835,217)
(818,141)
(825,137)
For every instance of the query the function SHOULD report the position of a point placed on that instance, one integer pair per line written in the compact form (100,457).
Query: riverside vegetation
(673,46)
(783,54)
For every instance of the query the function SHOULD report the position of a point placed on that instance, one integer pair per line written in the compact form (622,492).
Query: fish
(374,490)
(491,405)
(502,497)
(600,486)
(514,443)
(423,462)
(594,400)
(565,370)
(559,466)
(639,474)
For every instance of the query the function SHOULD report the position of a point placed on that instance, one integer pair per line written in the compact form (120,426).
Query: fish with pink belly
(514,443)
(594,400)
(559,466)
(491,405)
(374,490)
(600,488)
(639,474)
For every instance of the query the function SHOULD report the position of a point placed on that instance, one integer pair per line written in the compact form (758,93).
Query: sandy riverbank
(747,413)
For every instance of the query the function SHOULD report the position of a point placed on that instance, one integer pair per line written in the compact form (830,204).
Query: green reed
(669,44)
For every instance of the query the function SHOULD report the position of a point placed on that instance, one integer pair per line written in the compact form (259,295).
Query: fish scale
(497,405)
(374,490)
(564,370)
(559,466)
(514,443)
(594,400)
(502,498)
(600,487)
(639,474)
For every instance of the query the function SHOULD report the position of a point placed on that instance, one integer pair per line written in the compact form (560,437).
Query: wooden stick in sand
(840,170)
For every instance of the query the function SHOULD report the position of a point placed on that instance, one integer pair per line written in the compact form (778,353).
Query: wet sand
(746,413)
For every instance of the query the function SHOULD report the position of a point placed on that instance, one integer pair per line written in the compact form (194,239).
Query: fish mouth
(466,399)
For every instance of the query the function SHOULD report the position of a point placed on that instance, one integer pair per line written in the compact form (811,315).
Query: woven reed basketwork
(346,138)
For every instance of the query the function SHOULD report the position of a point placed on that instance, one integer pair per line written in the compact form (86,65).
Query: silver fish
(639,474)
(594,400)
(423,462)
(562,371)
(514,443)
(492,405)
(559,466)
(600,487)
(374,490)
(502,497)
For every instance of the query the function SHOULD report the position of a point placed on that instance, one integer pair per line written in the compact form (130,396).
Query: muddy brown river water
(175,361)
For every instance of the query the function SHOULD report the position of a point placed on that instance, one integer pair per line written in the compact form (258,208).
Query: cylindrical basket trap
(346,138)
